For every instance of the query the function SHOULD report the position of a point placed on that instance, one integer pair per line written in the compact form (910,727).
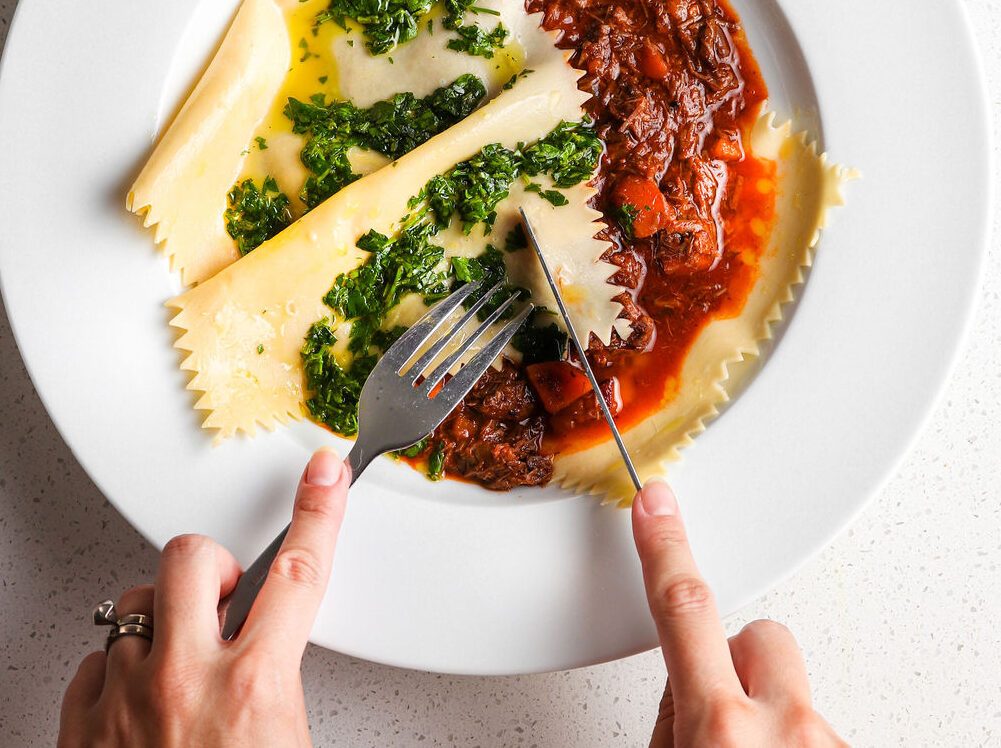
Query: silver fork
(396,408)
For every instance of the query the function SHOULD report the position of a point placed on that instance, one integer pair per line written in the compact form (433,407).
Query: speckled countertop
(899,618)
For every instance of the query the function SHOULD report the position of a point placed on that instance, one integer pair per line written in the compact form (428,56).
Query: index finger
(284,611)
(690,630)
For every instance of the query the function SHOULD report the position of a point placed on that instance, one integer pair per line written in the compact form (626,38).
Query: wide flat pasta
(808,185)
(182,188)
(244,327)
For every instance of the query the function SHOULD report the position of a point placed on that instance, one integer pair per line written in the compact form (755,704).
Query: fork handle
(241,600)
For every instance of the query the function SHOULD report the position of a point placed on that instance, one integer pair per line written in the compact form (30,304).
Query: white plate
(447,577)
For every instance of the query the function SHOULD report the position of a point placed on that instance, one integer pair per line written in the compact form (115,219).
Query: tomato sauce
(712,79)
(675,89)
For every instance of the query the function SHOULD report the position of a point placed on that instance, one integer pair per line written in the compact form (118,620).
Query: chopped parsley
(489,268)
(385,23)
(396,268)
(475,41)
(262,144)
(466,269)
(306,51)
(334,390)
(515,78)
(436,462)
(260,349)
(388,23)
(494,270)
(539,342)
(392,127)
(568,154)
(626,214)
(557,198)
(383,339)
(515,239)
(256,214)
(414,450)
(472,189)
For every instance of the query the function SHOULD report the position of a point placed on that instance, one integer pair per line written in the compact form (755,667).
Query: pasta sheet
(244,327)
(182,189)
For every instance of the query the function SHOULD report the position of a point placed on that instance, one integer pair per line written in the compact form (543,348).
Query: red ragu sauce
(674,90)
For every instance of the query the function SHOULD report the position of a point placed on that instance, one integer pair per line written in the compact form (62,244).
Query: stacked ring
(132,624)
(128,629)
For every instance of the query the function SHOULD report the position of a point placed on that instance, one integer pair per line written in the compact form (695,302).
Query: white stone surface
(899,618)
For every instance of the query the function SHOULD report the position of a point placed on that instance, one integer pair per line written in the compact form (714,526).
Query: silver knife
(533,240)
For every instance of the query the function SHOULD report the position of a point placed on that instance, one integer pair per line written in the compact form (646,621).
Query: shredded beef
(495,436)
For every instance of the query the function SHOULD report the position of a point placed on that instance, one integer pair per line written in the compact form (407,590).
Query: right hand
(749,691)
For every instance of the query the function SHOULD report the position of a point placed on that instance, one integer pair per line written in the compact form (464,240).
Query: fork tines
(424,329)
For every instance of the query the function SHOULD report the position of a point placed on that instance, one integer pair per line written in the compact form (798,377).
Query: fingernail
(658,499)
(325,468)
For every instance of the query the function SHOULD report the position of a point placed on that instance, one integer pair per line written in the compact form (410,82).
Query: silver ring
(128,629)
(131,624)
(106,615)
(140,619)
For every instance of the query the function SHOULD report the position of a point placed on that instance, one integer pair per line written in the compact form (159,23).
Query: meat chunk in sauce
(495,436)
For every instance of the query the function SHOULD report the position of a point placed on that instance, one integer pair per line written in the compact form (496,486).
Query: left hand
(188,687)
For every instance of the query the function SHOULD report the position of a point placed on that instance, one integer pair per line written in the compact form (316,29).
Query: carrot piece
(728,146)
(557,383)
(585,409)
(651,62)
(647,202)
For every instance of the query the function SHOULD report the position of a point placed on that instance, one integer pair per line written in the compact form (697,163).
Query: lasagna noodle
(244,327)
(182,189)
(209,147)
(808,185)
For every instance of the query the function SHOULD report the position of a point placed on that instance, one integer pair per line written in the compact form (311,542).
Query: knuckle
(134,598)
(172,688)
(95,661)
(685,596)
(767,629)
(99,732)
(315,503)
(251,680)
(299,566)
(726,722)
(805,727)
(92,660)
(184,545)
(670,533)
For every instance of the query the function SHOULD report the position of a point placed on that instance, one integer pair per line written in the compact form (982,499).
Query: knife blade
(534,242)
